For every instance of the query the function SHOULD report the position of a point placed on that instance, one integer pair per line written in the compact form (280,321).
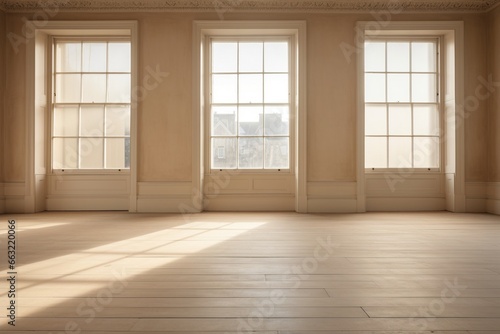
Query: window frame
(439,102)
(450,181)
(52,57)
(297,30)
(292,65)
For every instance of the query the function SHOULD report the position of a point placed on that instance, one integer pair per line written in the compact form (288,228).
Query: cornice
(250,5)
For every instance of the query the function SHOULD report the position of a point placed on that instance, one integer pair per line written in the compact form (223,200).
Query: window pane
(411,101)
(277,152)
(118,88)
(66,121)
(223,121)
(91,153)
(276,88)
(224,57)
(276,121)
(118,121)
(65,153)
(94,88)
(423,57)
(375,87)
(398,57)
(92,120)
(375,120)
(224,153)
(250,88)
(376,152)
(398,87)
(250,121)
(94,57)
(251,57)
(250,152)
(69,57)
(238,100)
(425,120)
(68,87)
(116,153)
(374,56)
(276,56)
(119,57)
(426,152)
(400,119)
(424,88)
(400,152)
(224,88)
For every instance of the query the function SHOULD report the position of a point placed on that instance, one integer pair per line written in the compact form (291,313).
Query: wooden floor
(269,273)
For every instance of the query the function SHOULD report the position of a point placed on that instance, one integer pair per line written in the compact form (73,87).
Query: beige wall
(2,89)
(164,122)
(14,112)
(476,139)
(494,106)
(331,97)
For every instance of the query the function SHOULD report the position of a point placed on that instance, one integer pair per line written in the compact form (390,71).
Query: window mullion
(78,141)
(412,153)
(387,106)
(104,141)
(238,106)
(263,106)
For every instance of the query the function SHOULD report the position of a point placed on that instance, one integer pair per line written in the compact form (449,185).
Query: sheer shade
(91,108)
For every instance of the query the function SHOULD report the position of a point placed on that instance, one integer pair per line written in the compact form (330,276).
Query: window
(402,122)
(91,103)
(249,103)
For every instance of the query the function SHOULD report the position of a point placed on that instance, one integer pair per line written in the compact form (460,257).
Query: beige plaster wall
(476,121)
(14,107)
(494,101)
(164,122)
(331,97)
(2,89)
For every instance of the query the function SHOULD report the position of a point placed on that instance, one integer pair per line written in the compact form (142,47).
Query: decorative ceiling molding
(249,5)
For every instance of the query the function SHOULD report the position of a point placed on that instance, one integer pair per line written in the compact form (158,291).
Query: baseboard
(493,206)
(331,205)
(170,197)
(331,197)
(87,203)
(14,197)
(475,197)
(2,198)
(493,202)
(393,191)
(84,192)
(250,202)
(179,204)
(405,204)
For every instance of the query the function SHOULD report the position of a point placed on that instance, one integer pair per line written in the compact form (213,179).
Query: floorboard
(265,273)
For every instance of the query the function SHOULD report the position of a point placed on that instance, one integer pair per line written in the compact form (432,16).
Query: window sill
(403,171)
(251,171)
(124,171)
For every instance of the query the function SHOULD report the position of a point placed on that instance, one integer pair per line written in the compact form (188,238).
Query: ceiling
(251,5)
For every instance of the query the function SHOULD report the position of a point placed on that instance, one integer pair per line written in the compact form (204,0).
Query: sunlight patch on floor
(119,261)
